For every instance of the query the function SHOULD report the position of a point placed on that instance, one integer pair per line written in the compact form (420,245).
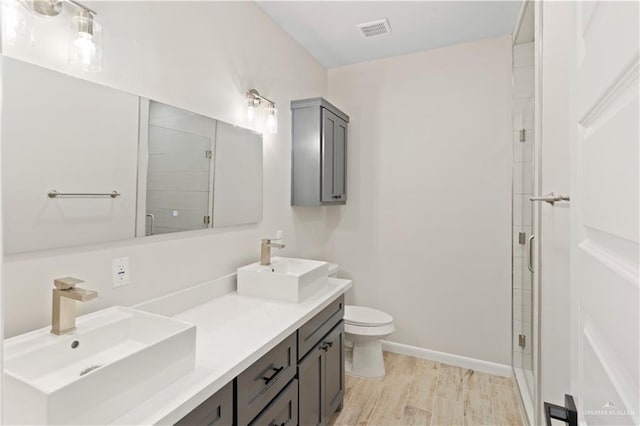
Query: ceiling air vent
(375,28)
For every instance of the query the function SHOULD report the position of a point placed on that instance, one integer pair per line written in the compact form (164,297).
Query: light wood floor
(420,392)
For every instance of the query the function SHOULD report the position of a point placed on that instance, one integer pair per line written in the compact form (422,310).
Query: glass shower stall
(524,327)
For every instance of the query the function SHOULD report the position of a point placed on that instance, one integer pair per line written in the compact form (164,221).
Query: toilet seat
(362,317)
(377,331)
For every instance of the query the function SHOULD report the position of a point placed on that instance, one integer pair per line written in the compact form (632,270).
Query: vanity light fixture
(85,46)
(255,103)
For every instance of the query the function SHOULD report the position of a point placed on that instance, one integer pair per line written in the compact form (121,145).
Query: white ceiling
(327,29)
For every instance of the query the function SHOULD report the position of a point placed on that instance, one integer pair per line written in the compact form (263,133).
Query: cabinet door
(311,333)
(311,397)
(333,345)
(321,379)
(217,410)
(264,379)
(334,157)
(283,410)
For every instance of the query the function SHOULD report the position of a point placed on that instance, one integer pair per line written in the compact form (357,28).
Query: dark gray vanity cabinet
(217,410)
(321,365)
(318,153)
(298,382)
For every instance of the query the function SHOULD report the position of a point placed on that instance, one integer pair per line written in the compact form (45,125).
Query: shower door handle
(153,222)
(530,253)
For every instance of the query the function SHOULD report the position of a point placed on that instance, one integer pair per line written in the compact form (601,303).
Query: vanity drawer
(216,410)
(264,379)
(317,327)
(283,411)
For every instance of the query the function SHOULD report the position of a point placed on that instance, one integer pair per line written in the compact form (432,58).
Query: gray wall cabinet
(318,153)
(298,382)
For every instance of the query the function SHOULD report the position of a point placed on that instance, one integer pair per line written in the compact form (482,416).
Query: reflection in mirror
(174,170)
(73,136)
(200,172)
(179,170)
(238,176)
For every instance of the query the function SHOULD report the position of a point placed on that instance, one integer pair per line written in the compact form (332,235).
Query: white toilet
(364,328)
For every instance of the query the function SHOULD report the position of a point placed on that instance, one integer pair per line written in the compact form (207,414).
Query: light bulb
(85,49)
(252,109)
(16,23)
(272,119)
(11,23)
(251,113)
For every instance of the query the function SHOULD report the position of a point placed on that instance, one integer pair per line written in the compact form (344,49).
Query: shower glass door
(524,343)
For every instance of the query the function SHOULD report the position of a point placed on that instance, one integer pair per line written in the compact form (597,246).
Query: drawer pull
(276,371)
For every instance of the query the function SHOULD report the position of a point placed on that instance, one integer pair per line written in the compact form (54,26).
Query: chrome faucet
(65,295)
(265,250)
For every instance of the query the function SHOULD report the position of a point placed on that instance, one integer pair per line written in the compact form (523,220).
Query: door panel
(340,159)
(310,374)
(216,410)
(334,373)
(329,123)
(334,157)
(610,161)
(282,411)
(604,235)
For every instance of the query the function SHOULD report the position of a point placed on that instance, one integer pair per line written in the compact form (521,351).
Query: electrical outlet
(279,234)
(121,273)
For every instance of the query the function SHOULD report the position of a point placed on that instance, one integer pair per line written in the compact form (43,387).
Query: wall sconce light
(256,102)
(85,46)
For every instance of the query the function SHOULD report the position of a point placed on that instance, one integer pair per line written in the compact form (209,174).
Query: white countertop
(232,333)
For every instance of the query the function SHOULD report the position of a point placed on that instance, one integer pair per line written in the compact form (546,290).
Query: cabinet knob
(326,345)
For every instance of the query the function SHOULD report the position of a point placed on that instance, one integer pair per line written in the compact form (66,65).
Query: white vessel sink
(291,280)
(117,358)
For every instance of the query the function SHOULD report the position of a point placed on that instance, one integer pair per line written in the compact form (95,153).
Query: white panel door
(604,214)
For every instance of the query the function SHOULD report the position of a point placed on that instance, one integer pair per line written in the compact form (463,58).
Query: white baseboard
(451,359)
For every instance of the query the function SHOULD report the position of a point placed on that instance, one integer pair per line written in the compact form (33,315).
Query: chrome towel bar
(54,194)
(551,198)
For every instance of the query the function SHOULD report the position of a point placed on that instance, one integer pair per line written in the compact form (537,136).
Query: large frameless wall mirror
(83,163)
(200,172)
